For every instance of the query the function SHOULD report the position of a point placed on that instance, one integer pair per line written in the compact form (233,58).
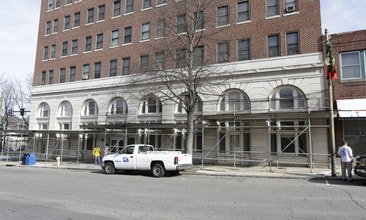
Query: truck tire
(109,168)
(157,170)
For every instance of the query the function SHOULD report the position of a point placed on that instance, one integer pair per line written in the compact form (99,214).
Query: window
(234,100)
(160,2)
(90,18)
(126,66)
(127,35)
(115,37)
(48,27)
(97,69)
(86,70)
(118,107)
(244,49)
(180,58)
(272,8)
(64,48)
(129,6)
(181,24)
(145,31)
(159,61)
(67,22)
(223,52)
(151,105)
(144,63)
(50,5)
(62,75)
(44,110)
(77,19)
(99,42)
(290,6)
(113,68)
(116,8)
(50,77)
(289,137)
(160,28)
(350,63)
(292,40)
(53,51)
(88,43)
(45,53)
(198,56)
(146,4)
(55,26)
(288,98)
(90,108)
(223,15)
(101,12)
(243,11)
(68,2)
(65,109)
(199,23)
(273,46)
(43,77)
(57,3)
(74,46)
(72,73)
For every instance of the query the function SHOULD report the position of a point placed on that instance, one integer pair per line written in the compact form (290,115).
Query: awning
(351,108)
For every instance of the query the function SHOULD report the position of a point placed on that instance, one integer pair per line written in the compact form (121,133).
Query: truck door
(126,158)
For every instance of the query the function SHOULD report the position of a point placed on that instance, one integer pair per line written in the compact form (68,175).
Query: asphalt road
(60,194)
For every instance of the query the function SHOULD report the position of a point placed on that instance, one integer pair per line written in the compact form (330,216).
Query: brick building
(349,50)
(267,102)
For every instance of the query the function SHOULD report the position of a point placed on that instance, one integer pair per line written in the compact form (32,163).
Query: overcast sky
(19,27)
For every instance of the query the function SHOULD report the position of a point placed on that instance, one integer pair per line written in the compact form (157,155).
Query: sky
(19,21)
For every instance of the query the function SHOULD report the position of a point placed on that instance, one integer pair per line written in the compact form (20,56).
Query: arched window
(287,97)
(44,110)
(65,109)
(118,106)
(90,108)
(151,104)
(234,100)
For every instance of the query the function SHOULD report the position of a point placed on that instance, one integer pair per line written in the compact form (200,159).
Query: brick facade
(257,29)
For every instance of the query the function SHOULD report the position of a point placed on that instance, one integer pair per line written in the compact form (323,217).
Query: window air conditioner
(290,8)
(85,77)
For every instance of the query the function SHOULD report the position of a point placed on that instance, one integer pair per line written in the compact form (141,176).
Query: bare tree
(181,72)
(15,95)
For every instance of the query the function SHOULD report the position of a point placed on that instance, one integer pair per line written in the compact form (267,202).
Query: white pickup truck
(143,157)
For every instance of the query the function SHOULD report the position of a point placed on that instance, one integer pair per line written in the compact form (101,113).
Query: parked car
(360,167)
(6,149)
(21,148)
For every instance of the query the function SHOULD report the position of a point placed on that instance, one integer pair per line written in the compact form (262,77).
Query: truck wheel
(158,170)
(109,168)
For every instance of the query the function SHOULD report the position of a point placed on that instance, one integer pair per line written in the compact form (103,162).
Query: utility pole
(331,74)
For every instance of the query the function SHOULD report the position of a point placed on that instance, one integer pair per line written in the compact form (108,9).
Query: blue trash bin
(31,159)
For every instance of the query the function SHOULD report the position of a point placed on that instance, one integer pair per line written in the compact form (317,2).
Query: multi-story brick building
(270,106)
(349,51)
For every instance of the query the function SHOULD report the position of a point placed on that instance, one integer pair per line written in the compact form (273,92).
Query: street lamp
(331,74)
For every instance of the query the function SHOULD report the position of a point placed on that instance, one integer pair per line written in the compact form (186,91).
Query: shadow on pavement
(338,181)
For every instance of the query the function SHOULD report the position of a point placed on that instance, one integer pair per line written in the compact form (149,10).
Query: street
(61,194)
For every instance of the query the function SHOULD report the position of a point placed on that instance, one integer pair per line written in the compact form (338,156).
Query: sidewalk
(254,171)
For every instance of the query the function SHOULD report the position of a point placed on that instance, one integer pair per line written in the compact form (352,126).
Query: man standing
(345,152)
(96,154)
